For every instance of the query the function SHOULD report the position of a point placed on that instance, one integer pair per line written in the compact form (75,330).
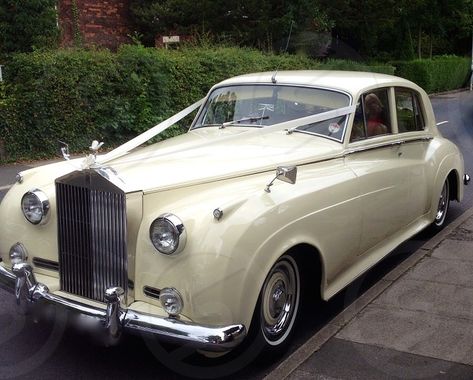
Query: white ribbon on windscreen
(289,126)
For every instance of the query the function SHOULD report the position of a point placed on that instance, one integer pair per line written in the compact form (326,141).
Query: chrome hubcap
(443,205)
(280,301)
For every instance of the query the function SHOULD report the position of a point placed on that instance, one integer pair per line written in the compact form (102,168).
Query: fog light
(18,253)
(171,301)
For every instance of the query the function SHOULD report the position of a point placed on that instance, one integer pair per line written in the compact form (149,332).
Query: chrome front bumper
(115,318)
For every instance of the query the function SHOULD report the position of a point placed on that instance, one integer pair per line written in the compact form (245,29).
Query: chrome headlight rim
(178,231)
(43,203)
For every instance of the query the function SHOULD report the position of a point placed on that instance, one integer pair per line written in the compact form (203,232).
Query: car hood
(204,155)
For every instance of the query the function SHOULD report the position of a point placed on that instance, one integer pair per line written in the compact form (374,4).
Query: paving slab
(454,272)
(340,359)
(414,332)
(464,231)
(353,309)
(305,351)
(430,297)
(454,250)
(468,225)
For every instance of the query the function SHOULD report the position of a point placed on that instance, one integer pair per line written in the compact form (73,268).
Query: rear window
(409,113)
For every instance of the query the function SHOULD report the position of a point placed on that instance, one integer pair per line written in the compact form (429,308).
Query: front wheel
(442,208)
(279,304)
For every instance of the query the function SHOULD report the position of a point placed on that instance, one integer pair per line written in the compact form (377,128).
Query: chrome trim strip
(118,318)
(387,144)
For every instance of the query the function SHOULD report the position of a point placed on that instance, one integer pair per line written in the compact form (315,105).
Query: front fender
(224,264)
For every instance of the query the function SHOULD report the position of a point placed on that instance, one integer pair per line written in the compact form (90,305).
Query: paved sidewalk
(416,323)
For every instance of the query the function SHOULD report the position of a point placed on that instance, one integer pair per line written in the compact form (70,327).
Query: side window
(371,116)
(409,114)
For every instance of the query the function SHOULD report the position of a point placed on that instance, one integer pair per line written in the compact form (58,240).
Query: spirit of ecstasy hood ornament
(95,147)
(90,159)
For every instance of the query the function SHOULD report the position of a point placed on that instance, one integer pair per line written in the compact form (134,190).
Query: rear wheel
(442,208)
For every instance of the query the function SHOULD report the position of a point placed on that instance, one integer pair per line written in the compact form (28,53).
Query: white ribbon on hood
(289,126)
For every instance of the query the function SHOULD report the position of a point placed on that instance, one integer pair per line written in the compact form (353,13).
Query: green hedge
(438,74)
(77,96)
(337,64)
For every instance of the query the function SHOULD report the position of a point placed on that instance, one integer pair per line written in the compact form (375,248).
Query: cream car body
(352,203)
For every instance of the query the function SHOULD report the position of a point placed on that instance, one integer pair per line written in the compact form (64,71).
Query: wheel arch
(310,261)
(450,169)
(454,181)
(311,266)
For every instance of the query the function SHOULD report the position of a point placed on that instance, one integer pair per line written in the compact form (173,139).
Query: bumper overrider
(114,317)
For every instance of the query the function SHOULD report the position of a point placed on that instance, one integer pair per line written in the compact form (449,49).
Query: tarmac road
(32,351)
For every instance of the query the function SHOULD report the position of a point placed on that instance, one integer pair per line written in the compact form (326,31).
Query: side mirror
(284,173)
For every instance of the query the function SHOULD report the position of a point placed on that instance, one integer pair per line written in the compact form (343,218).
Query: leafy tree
(27,24)
(401,28)
(437,23)
(260,23)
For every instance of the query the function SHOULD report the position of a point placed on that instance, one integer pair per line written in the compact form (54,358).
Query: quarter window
(409,114)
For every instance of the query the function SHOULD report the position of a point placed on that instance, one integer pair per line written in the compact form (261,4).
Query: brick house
(99,23)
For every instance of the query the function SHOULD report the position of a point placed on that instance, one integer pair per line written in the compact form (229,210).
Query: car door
(411,124)
(375,156)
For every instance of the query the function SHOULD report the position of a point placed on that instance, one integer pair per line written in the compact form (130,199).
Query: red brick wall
(100,23)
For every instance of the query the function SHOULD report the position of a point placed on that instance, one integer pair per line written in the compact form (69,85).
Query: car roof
(352,82)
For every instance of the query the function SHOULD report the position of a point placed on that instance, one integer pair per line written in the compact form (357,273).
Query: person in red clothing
(374,116)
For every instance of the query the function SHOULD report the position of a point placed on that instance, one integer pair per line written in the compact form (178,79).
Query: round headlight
(35,206)
(168,234)
(171,301)
(18,253)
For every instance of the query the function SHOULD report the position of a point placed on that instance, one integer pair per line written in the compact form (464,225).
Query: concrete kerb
(315,343)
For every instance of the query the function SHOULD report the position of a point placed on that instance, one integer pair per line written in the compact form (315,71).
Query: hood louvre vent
(46,264)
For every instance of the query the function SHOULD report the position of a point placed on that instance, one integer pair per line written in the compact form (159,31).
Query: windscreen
(264,105)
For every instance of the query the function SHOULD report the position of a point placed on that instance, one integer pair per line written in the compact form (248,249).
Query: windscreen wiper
(250,119)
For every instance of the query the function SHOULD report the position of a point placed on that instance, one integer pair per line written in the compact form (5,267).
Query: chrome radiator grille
(92,235)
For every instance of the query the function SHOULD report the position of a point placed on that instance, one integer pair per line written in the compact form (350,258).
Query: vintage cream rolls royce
(285,181)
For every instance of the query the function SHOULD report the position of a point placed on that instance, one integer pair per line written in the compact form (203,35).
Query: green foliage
(57,96)
(256,23)
(437,74)
(402,29)
(345,65)
(77,35)
(78,95)
(26,25)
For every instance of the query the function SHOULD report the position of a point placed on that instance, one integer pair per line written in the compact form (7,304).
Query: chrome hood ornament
(91,159)
(95,147)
